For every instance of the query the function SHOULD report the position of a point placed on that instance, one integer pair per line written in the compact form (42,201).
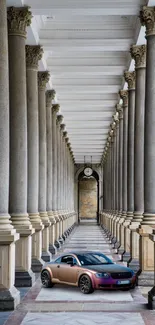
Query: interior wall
(88,198)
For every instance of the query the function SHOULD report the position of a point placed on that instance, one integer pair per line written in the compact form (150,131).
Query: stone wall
(87,198)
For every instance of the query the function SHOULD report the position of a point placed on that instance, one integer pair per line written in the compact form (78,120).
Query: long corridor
(68,306)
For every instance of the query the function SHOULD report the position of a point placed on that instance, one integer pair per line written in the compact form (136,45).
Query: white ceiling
(86,48)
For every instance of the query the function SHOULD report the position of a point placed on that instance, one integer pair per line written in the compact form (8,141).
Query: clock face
(88,171)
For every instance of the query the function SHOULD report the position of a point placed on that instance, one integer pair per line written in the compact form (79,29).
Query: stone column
(146,245)
(9,295)
(43,78)
(113,126)
(120,172)
(62,126)
(59,121)
(18,20)
(33,55)
(138,53)
(55,109)
(124,97)
(130,79)
(50,94)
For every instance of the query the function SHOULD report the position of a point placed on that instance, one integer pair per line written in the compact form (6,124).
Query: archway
(88,196)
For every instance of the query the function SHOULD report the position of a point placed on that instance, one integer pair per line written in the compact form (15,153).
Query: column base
(113,240)
(146,279)
(57,244)
(126,257)
(52,249)
(24,278)
(151,298)
(9,299)
(134,265)
(37,264)
(46,256)
(121,250)
(64,237)
(117,245)
(61,240)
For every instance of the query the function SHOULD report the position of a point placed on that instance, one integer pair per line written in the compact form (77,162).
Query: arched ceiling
(86,48)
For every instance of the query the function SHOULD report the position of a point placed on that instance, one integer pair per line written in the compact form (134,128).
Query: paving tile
(59,293)
(83,319)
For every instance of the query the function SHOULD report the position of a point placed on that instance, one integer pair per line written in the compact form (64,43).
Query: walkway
(68,306)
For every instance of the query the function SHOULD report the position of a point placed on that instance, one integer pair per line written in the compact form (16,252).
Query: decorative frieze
(18,20)
(147,19)
(43,78)
(130,78)
(33,55)
(138,53)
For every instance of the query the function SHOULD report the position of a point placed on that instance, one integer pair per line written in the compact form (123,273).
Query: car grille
(121,275)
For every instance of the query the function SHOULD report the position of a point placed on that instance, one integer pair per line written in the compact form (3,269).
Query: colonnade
(36,161)
(128,216)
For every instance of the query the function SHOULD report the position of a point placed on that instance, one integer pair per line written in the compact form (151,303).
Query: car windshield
(93,259)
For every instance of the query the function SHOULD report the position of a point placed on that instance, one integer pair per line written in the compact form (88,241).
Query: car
(87,270)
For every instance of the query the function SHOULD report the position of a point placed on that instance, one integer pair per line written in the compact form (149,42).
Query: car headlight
(102,275)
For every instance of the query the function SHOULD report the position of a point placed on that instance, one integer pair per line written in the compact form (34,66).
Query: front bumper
(110,283)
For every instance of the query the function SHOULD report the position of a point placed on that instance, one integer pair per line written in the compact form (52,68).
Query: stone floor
(68,306)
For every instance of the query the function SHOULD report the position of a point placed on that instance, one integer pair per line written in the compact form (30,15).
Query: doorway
(88,197)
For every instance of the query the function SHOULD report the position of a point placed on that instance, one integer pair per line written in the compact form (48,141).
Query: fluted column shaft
(139,54)
(54,146)
(120,172)
(7,246)
(33,55)
(50,94)
(43,77)
(18,20)
(124,97)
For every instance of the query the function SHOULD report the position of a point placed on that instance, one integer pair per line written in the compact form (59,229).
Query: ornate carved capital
(43,78)
(62,126)
(111,133)
(60,119)
(50,94)
(119,109)
(65,134)
(55,108)
(67,139)
(124,96)
(18,20)
(33,55)
(147,18)
(138,53)
(130,78)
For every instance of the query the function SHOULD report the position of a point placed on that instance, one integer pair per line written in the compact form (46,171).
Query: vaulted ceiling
(86,48)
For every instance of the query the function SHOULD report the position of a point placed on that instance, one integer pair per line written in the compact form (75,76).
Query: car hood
(112,268)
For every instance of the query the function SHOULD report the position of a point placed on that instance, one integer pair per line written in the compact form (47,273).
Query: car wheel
(85,284)
(46,279)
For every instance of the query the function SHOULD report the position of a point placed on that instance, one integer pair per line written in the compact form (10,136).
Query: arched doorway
(88,196)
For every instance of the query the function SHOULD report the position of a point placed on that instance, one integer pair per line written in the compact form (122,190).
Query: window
(93,259)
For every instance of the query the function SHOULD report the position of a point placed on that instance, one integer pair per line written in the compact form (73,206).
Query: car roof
(81,252)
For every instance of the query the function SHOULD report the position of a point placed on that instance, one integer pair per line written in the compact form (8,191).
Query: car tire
(46,279)
(85,284)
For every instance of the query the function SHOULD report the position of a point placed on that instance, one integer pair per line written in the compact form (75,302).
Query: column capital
(60,119)
(65,134)
(67,139)
(55,108)
(33,55)
(18,20)
(130,78)
(43,78)
(124,96)
(50,94)
(147,19)
(119,109)
(138,53)
(62,126)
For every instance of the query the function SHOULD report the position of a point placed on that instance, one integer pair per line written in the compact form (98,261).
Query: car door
(66,272)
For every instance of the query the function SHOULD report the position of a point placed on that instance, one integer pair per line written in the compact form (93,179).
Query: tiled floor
(68,306)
